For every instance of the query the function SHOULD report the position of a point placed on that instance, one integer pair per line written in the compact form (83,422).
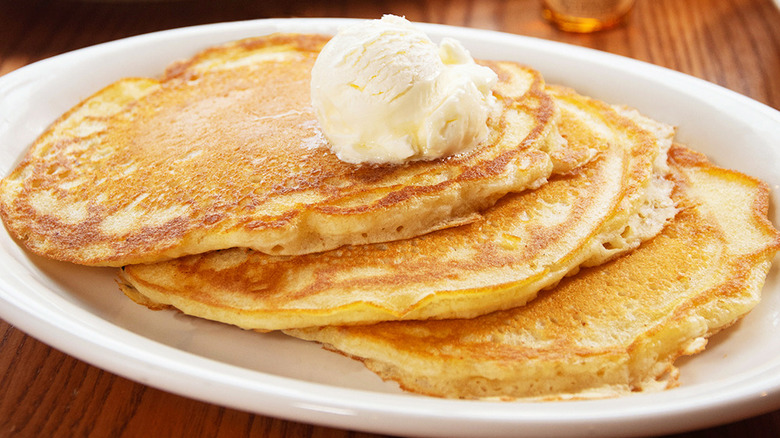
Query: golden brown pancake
(224,151)
(524,243)
(611,330)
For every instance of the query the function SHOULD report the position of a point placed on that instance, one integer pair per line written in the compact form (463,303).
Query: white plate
(80,310)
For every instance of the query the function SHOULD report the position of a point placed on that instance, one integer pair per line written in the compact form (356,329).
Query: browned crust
(231,194)
(644,360)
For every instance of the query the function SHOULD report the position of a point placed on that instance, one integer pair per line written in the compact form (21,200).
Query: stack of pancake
(576,253)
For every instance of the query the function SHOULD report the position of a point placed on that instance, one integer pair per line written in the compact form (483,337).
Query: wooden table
(43,392)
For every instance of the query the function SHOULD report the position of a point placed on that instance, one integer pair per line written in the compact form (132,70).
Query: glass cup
(586,15)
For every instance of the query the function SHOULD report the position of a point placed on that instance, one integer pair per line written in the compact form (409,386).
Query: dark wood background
(43,392)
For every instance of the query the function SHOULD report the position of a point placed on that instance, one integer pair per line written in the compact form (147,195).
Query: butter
(383,92)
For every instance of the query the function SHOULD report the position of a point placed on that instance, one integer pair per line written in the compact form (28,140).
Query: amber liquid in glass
(586,15)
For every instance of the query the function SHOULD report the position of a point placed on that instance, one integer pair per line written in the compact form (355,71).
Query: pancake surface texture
(610,330)
(524,243)
(225,151)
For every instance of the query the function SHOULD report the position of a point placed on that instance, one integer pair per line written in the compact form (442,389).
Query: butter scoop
(384,92)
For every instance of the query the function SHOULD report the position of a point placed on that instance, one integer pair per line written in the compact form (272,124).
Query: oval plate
(81,311)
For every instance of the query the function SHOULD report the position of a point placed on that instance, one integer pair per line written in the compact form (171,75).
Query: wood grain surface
(46,393)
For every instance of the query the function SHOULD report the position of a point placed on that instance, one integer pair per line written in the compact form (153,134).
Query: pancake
(611,330)
(524,243)
(224,150)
